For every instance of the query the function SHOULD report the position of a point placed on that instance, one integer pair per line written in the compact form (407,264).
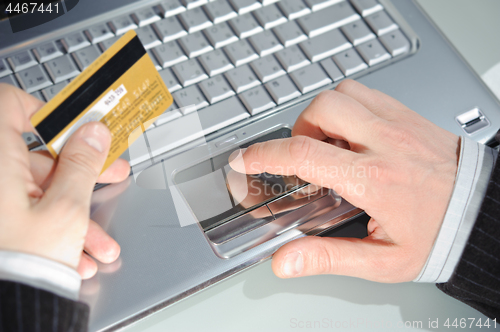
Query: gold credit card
(121,89)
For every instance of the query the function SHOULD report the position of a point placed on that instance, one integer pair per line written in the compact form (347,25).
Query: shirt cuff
(40,273)
(474,170)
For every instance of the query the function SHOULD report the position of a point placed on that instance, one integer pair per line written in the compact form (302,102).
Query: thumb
(79,164)
(311,255)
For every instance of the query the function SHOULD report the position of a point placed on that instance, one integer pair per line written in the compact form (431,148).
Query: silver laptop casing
(162,262)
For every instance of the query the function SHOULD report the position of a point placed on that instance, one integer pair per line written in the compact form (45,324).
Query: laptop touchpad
(228,204)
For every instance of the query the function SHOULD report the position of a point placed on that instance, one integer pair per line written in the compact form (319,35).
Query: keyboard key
(267,2)
(331,69)
(33,79)
(240,53)
(38,95)
(265,43)
(184,129)
(47,52)
(373,52)
(327,19)
(148,37)
(267,68)
(219,11)
(190,99)
(216,89)
(357,32)
(242,78)
(310,78)
(220,35)
(4,68)
(145,16)
(169,29)
(316,5)
(195,44)
(22,60)
(245,6)
(154,60)
(86,56)
(293,8)
(31,140)
(396,43)
(170,114)
(122,24)
(366,7)
(61,69)
(257,100)
(269,16)
(193,3)
(194,20)
(189,72)
(245,26)
(292,58)
(74,42)
(170,81)
(98,33)
(51,91)
(350,62)
(9,80)
(290,33)
(381,23)
(172,7)
(108,43)
(169,54)
(324,46)
(282,90)
(215,62)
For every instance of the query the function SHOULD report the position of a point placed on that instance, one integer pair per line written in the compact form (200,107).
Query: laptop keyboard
(227,59)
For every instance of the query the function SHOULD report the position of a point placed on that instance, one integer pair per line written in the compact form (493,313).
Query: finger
(79,165)
(100,245)
(335,115)
(363,258)
(376,231)
(369,99)
(87,267)
(311,160)
(42,166)
(338,143)
(118,171)
(246,190)
(15,109)
(25,105)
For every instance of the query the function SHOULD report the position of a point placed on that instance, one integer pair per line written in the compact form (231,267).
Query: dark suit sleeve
(476,279)
(25,308)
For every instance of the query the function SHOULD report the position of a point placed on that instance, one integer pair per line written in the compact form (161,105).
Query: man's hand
(44,204)
(378,155)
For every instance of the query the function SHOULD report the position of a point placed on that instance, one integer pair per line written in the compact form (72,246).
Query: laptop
(240,72)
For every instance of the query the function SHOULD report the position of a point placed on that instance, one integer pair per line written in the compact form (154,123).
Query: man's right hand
(378,155)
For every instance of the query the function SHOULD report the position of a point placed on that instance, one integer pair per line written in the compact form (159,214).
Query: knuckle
(256,151)
(82,162)
(345,85)
(325,97)
(301,149)
(322,261)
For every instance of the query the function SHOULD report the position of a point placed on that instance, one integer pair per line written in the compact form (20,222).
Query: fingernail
(236,156)
(293,264)
(96,135)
